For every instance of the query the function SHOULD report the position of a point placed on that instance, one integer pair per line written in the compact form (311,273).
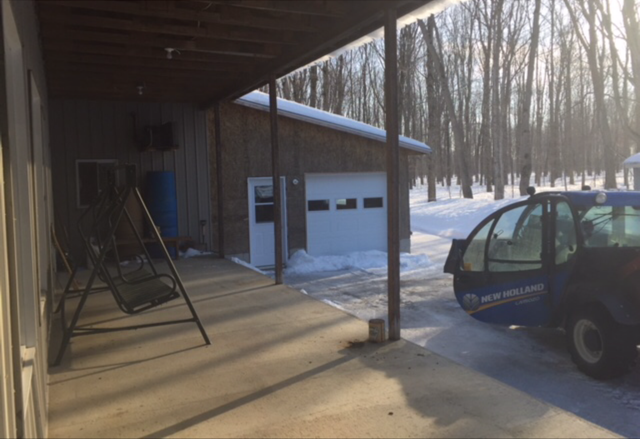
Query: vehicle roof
(585,199)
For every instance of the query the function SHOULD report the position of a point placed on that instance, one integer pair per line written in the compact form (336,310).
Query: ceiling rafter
(139,71)
(106,61)
(73,37)
(171,11)
(317,8)
(196,42)
(96,49)
(132,50)
(64,23)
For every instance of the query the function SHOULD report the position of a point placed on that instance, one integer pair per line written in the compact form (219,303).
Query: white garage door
(346,213)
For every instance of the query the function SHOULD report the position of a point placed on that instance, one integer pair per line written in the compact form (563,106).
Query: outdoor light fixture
(141,88)
(170,51)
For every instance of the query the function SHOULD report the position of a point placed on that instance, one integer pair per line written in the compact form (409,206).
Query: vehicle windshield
(607,226)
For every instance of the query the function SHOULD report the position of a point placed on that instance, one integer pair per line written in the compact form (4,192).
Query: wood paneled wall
(109,130)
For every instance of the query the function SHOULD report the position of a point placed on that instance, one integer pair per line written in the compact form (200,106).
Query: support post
(275,163)
(219,179)
(393,165)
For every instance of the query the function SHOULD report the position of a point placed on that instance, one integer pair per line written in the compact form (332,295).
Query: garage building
(333,181)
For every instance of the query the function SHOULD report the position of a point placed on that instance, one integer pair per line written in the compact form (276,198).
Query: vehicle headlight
(601,197)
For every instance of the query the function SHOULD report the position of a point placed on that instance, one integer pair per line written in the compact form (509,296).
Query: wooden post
(393,166)
(275,164)
(219,179)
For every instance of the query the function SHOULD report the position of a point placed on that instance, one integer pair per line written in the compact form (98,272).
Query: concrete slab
(282,364)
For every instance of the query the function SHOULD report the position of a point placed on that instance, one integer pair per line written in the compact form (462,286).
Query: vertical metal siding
(105,130)
(204,195)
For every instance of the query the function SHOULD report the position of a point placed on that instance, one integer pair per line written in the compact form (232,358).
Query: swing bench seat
(141,290)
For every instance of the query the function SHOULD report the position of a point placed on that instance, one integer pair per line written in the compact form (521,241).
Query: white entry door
(346,213)
(261,228)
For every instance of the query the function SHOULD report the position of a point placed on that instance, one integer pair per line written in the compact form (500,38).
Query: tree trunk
(458,131)
(498,165)
(591,47)
(434,117)
(524,130)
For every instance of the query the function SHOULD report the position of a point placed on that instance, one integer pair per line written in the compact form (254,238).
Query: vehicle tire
(600,347)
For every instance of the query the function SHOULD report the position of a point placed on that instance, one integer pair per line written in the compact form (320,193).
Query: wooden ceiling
(223,49)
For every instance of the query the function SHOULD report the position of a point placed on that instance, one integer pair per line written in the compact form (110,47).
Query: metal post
(169,260)
(393,186)
(275,163)
(219,179)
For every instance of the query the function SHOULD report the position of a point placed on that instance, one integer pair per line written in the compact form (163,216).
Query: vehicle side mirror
(454,261)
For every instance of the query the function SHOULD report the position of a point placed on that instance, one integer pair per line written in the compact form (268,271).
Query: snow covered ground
(530,359)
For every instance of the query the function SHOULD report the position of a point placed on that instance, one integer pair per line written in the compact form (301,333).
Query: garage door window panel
(373,203)
(346,203)
(317,205)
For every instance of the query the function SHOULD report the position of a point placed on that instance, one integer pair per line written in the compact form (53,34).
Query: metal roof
(294,110)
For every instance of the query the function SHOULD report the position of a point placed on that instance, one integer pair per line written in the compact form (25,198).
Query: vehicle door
(564,248)
(503,274)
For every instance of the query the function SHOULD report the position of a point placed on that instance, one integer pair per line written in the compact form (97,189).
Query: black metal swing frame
(135,291)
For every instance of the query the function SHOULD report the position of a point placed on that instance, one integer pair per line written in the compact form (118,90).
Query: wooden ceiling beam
(129,94)
(171,10)
(145,40)
(317,8)
(55,58)
(133,79)
(135,28)
(94,93)
(70,69)
(118,49)
(55,21)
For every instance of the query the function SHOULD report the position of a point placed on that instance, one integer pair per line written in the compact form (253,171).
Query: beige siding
(7,416)
(25,253)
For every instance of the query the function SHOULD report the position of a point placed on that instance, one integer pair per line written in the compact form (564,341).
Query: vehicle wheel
(600,347)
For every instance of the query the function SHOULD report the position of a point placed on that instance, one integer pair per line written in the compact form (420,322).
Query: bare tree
(524,129)
(591,46)
(458,131)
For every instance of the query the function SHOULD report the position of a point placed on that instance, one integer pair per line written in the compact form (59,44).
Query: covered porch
(81,78)
(282,364)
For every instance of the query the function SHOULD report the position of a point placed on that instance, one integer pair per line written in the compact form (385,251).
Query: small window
(372,203)
(347,203)
(263,194)
(317,205)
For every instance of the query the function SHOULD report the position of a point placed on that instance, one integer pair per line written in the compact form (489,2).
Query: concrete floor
(281,365)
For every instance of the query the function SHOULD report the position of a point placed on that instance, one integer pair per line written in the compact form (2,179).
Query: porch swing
(134,291)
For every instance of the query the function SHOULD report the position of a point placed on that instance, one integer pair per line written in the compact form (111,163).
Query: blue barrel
(163,205)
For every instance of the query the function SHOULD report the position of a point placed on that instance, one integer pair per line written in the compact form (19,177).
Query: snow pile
(246,264)
(192,252)
(303,263)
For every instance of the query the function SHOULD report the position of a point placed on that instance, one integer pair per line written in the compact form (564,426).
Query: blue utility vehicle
(559,259)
